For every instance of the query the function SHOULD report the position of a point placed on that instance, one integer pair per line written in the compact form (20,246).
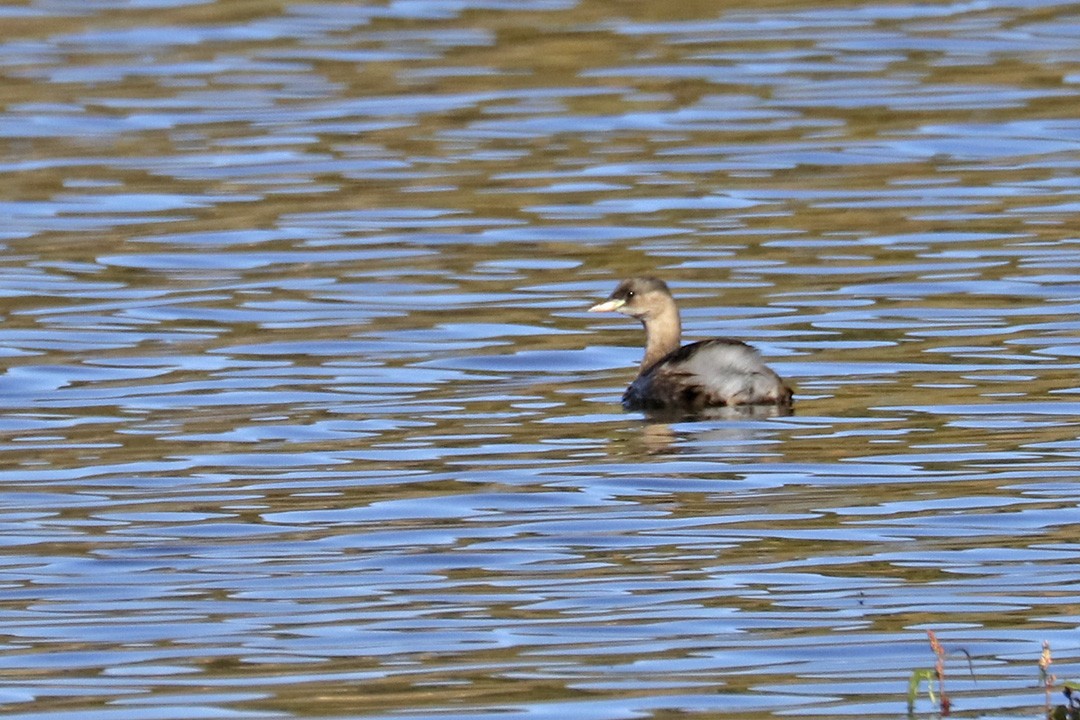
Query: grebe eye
(630,294)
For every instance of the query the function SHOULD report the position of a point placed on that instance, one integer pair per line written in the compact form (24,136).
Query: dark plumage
(695,377)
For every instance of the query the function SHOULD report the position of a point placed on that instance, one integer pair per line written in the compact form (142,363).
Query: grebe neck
(662,335)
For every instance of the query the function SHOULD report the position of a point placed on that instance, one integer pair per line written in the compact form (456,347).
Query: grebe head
(643,298)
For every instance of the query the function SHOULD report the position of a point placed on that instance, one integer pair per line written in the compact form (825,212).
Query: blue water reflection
(304,415)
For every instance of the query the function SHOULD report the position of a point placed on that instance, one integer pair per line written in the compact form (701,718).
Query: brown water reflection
(303,414)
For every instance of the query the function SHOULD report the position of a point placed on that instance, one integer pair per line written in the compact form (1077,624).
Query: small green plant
(1071,709)
(916,680)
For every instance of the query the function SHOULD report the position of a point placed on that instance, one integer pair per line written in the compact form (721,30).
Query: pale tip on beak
(608,306)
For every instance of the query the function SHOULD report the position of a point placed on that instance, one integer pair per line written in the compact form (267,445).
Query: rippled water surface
(303,415)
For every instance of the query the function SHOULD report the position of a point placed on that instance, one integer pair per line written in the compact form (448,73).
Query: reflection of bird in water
(661,433)
(696,377)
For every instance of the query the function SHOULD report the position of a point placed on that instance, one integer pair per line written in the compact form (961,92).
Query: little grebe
(701,375)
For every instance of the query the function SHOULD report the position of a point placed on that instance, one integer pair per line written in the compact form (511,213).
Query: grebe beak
(608,306)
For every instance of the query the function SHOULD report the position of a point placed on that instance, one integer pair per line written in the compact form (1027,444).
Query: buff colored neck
(662,335)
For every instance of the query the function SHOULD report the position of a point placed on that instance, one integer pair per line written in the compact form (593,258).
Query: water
(303,414)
